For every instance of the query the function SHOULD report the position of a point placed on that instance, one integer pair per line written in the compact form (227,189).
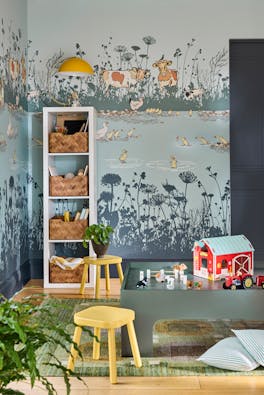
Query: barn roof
(228,244)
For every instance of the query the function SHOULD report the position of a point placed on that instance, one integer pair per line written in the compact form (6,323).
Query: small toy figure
(148,274)
(189,284)
(194,284)
(142,283)
(141,275)
(179,266)
(170,282)
(160,276)
(198,284)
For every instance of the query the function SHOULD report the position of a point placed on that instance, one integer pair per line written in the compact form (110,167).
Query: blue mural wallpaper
(14,223)
(162,190)
(162,142)
(162,98)
(127,78)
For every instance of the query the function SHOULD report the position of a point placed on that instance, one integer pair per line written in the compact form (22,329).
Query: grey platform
(156,302)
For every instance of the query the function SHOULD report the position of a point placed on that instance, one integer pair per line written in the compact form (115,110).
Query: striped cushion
(229,354)
(253,341)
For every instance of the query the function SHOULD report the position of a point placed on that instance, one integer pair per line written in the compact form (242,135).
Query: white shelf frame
(49,114)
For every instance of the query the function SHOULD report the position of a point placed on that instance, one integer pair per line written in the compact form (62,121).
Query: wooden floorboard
(191,385)
(155,386)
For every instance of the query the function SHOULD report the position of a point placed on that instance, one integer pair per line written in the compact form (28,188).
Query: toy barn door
(204,264)
(241,263)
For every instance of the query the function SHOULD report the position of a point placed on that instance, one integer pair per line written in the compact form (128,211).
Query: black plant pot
(100,249)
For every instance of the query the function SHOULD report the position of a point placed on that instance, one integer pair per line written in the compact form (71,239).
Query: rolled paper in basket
(66,263)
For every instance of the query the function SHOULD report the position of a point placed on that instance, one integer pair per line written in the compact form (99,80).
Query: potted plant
(99,235)
(25,327)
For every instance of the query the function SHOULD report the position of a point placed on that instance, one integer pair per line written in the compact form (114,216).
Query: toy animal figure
(198,284)
(189,284)
(180,266)
(160,276)
(142,283)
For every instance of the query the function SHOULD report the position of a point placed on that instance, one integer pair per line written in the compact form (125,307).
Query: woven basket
(77,142)
(61,230)
(58,275)
(76,186)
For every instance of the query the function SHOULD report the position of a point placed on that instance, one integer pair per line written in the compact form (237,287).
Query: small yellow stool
(98,262)
(110,318)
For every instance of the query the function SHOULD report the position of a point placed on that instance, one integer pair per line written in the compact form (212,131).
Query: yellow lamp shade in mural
(75,67)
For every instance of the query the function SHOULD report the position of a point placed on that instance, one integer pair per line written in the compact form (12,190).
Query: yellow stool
(98,262)
(110,318)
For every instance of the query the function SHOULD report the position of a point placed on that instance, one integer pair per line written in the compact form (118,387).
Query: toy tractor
(239,280)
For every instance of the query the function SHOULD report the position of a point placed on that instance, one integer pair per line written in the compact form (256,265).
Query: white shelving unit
(54,205)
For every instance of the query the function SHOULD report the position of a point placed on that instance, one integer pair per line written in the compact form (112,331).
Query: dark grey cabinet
(247,141)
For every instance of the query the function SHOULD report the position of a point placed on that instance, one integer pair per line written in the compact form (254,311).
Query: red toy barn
(216,257)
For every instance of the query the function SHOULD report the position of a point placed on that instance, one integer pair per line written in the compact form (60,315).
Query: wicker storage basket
(76,186)
(58,275)
(61,230)
(77,142)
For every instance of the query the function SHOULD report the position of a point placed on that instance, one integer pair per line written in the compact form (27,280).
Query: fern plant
(25,327)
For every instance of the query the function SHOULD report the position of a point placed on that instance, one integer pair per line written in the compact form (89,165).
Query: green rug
(176,345)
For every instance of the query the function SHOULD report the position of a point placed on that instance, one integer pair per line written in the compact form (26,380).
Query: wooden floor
(193,385)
